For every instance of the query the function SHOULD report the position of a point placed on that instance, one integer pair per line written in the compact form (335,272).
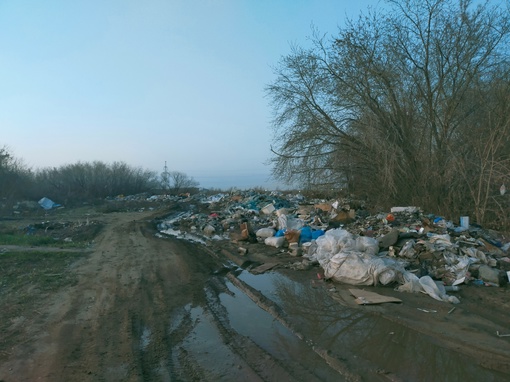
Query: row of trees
(409,106)
(84,181)
(13,174)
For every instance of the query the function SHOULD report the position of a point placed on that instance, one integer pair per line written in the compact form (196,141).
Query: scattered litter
(48,204)
(268,209)
(427,311)
(275,241)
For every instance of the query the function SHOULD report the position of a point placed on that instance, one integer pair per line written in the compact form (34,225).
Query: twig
(502,335)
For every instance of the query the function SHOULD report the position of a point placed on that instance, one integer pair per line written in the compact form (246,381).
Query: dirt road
(105,327)
(147,308)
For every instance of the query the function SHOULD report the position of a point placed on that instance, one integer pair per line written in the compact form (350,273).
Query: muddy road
(147,308)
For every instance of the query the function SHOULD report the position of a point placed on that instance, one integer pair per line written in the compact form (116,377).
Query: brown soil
(162,309)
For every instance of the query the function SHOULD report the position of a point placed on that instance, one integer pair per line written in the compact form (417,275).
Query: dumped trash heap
(417,252)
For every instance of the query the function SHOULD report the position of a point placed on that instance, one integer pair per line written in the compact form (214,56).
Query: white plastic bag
(411,283)
(408,250)
(436,291)
(282,221)
(265,232)
(358,268)
(275,241)
(367,245)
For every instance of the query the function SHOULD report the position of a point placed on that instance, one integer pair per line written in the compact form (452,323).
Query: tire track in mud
(273,309)
(95,330)
(248,350)
(110,348)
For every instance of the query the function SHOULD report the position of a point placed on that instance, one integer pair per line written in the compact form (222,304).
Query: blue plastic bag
(318,233)
(306,235)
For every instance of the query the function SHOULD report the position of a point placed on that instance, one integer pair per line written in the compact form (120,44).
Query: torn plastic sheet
(436,290)
(47,203)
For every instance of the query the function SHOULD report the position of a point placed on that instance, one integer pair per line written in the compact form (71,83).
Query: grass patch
(45,271)
(27,240)
(51,234)
(27,278)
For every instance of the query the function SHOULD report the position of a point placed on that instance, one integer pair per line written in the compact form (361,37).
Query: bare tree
(383,106)
(15,177)
(83,181)
(180,182)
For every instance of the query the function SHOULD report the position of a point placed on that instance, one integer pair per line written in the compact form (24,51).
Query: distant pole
(165,178)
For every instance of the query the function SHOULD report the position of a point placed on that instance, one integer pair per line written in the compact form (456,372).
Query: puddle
(201,338)
(145,338)
(182,235)
(367,344)
(264,282)
(367,341)
(165,228)
(248,319)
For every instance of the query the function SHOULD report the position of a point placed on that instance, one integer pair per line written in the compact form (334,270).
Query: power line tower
(165,178)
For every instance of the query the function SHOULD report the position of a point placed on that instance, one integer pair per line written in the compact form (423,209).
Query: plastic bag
(265,232)
(367,245)
(357,268)
(411,283)
(316,234)
(436,290)
(408,250)
(331,243)
(275,241)
(282,222)
(306,235)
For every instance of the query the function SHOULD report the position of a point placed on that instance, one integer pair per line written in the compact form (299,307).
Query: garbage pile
(418,252)
(146,196)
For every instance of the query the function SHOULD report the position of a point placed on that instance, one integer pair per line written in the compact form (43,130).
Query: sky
(152,81)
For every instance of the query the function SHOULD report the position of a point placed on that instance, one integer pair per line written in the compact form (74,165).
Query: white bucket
(268,209)
(464,221)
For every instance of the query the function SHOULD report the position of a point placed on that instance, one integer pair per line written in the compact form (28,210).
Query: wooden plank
(364,297)
(264,268)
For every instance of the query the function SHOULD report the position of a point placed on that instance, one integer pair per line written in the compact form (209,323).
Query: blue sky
(150,81)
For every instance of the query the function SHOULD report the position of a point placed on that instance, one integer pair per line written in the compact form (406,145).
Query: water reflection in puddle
(200,337)
(365,342)
(145,338)
(249,320)
(369,342)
